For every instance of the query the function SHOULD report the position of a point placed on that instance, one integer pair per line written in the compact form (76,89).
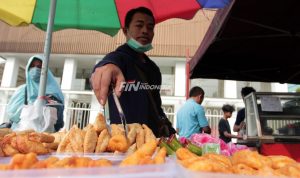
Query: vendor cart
(273,123)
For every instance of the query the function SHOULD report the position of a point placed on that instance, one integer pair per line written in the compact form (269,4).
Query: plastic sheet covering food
(167,170)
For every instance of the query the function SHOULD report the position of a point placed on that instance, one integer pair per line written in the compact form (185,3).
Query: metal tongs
(121,113)
(105,112)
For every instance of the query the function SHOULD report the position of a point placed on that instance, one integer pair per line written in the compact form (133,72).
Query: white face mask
(138,47)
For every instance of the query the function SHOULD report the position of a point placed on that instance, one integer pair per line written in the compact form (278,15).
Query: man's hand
(103,77)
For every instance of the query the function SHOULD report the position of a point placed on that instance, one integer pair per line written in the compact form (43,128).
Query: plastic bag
(38,118)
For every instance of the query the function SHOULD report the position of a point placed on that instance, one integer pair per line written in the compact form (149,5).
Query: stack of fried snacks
(25,142)
(95,138)
(30,161)
(145,155)
(244,162)
(4,132)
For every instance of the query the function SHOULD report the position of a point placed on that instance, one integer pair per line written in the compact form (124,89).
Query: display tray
(167,170)
(185,173)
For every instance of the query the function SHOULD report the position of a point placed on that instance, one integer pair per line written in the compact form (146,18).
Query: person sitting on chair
(28,93)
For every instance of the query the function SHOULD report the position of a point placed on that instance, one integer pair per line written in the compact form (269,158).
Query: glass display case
(272,117)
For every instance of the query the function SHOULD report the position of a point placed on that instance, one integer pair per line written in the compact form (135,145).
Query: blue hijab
(16,102)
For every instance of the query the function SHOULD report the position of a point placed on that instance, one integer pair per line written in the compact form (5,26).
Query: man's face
(227,114)
(141,28)
(199,99)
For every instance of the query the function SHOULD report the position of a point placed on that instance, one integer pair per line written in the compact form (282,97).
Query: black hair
(131,13)
(228,108)
(195,91)
(247,90)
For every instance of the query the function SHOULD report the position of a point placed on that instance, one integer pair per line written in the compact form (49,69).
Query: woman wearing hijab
(28,93)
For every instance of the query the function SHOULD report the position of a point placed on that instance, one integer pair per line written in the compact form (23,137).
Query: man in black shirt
(240,117)
(130,71)
(224,127)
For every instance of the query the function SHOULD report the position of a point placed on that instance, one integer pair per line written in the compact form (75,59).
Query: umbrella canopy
(106,16)
(259,40)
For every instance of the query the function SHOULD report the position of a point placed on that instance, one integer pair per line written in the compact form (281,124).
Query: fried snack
(116,130)
(183,153)
(140,138)
(266,161)
(131,149)
(52,146)
(118,143)
(5,131)
(63,163)
(27,146)
(6,146)
(148,133)
(160,157)
(292,170)
(45,163)
(90,140)
(8,150)
(24,132)
(41,137)
(64,143)
(58,136)
(99,123)
(243,169)
(279,161)
(1,153)
(85,129)
(80,162)
(267,171)
(100,163)
(132,135)
(247,157)
(76,139)
(23,161)
(146,150)
(224,160)
(69,149)
(3,167)
(202,165)
(189,161)
(146,160)
(102,142)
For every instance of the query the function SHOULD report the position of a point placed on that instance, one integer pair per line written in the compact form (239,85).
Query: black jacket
(135,99)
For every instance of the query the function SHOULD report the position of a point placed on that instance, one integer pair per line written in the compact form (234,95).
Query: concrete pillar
(180,79)
(69,74)
(230,89)
(68,78)
(10,73)
(9,79)
(277,87)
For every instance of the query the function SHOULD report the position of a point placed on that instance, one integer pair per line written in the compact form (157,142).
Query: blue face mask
(138,47)
(35,74)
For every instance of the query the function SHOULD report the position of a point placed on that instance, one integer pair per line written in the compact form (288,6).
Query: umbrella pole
(47,51)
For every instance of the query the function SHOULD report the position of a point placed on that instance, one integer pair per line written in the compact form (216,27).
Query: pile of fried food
(244,162)
(148,153)
(95,138)
(12,143)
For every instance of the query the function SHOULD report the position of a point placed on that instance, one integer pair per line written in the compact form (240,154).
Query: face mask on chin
(35,74)
(138,47)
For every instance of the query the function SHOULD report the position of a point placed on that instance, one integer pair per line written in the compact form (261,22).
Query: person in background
(28,93)
(191,116)
(240,117)
(224,127)
(129,63)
